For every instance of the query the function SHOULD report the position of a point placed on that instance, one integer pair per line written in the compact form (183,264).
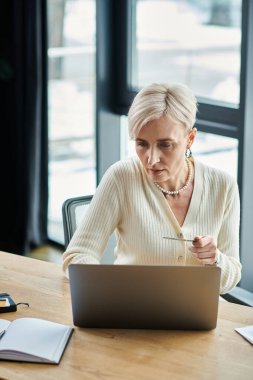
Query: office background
(69,70)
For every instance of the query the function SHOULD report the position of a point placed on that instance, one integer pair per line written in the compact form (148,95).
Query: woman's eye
(141,143)
(166,145)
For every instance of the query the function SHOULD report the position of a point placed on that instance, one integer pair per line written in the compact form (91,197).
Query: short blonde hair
(162,99)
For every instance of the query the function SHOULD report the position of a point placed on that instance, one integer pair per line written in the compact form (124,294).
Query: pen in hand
(178,239)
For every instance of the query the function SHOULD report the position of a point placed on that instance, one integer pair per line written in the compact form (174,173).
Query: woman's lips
(155,171)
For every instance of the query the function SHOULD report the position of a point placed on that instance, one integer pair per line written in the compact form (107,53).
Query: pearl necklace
(176,192)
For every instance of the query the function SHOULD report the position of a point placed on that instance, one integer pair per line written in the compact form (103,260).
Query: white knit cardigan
(128,202)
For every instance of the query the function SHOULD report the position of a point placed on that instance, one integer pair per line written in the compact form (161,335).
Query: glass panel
(216,151)
(190,41)
(71,90)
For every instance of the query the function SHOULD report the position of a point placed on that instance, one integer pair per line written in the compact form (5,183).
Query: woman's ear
(191,137)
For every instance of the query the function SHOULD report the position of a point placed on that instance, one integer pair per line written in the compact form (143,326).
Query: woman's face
(161,145)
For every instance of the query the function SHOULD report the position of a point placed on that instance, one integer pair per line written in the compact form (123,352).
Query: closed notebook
(33,340)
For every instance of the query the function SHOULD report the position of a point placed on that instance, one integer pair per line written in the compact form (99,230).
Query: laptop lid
(145,297)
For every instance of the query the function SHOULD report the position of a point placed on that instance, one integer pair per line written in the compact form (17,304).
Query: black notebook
(33,340)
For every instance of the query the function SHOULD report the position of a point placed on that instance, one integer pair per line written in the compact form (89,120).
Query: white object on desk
(246,332)
(33,340)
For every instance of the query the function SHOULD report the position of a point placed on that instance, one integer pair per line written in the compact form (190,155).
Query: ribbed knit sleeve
(228,240)
(102,217)
(219,217)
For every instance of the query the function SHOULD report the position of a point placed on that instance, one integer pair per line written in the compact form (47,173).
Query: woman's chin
(158,176)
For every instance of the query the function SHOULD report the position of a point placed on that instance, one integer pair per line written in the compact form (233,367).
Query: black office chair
(73,210)
(239,296)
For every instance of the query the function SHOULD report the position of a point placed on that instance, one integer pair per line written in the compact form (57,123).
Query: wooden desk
(122,354)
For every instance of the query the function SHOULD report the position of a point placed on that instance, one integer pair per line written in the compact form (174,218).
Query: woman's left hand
(204,248)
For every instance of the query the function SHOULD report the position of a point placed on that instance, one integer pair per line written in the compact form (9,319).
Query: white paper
(246,332)
(33,339)
(3,326)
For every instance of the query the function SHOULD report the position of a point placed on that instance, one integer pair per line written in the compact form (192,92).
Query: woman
(163,193)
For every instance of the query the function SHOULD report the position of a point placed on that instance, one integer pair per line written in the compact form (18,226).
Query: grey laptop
(145,297)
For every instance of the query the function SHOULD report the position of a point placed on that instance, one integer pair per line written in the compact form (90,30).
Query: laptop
(144,296)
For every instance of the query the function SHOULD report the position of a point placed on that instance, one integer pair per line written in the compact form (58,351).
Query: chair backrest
(73,209)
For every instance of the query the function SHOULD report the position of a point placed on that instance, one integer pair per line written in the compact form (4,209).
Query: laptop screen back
(145,297)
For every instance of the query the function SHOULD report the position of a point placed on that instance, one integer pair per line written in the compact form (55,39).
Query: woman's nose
(153,156)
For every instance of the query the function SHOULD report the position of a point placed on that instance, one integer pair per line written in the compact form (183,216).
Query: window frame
(213,116)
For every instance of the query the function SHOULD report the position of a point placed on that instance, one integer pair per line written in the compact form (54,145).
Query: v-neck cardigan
(128,203)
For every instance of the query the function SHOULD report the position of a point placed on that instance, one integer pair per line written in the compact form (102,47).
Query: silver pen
(178,239)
